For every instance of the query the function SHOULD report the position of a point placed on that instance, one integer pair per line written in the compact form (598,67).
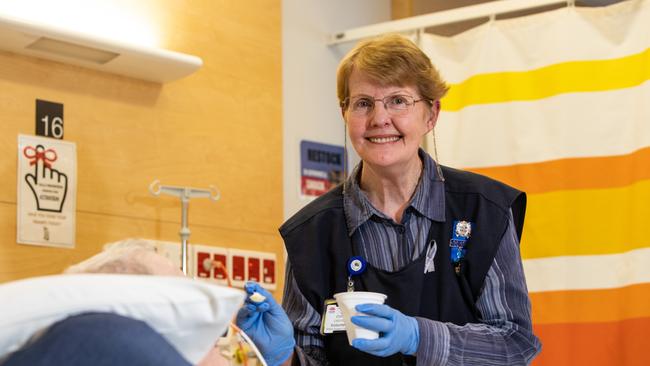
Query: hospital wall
(311,108)
(220,126)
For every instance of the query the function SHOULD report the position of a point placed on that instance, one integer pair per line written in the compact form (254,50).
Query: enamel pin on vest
(461,232)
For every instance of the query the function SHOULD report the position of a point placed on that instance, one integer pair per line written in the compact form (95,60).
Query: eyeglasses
(396,105)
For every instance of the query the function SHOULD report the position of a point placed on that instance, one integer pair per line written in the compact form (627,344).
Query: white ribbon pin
(429,265)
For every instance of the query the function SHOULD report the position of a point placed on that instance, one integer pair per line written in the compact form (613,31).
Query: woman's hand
(397,332)
(267,325)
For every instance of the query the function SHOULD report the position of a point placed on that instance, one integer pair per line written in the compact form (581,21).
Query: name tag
(332,318)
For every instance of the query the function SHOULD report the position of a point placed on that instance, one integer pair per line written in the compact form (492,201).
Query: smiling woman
(442,244)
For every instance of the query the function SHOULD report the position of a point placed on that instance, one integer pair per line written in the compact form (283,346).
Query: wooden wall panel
(401,9)
(221,126)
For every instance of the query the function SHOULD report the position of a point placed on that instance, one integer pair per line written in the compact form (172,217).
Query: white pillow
(190,314)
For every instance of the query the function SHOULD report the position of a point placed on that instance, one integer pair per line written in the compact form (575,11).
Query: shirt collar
(428,199)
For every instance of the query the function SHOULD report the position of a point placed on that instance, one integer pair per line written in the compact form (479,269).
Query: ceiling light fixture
(52,43)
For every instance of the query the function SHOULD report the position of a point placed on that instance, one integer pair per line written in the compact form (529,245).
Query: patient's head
(130,256)
(137,256)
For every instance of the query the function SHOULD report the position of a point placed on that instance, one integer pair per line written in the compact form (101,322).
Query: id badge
(332,319)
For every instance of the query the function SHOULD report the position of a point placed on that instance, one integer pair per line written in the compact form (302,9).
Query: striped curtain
(558,104)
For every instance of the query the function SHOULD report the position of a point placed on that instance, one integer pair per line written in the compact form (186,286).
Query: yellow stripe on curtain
(588,221)
(567,77)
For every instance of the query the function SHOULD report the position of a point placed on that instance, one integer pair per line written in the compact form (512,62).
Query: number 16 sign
(47,185)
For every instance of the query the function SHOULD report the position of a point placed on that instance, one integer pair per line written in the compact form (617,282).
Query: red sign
(220,270)
(238,268)
(253,269)
(268,268)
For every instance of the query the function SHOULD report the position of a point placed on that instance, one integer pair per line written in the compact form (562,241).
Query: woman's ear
(433,116)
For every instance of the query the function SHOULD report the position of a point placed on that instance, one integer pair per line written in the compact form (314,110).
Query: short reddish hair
(391,60)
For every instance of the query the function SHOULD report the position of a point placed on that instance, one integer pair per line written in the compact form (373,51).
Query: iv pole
(184,193)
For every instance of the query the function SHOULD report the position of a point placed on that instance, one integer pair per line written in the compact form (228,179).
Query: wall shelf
(51,43)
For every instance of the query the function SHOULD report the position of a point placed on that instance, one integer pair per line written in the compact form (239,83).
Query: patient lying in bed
(104,319)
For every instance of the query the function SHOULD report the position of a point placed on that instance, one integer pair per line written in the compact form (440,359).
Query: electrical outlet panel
(233,267)
(220,261)
(202,261)
(237,267)
(220,266)
(254,268)
(269,271)
(203,270)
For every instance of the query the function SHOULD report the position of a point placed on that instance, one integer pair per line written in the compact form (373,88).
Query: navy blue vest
(318,245)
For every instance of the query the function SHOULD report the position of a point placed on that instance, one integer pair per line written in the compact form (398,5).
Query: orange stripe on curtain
(575,173)
(588,306)
(594,344)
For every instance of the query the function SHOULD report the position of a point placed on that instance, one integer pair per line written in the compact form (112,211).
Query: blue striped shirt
(504,335)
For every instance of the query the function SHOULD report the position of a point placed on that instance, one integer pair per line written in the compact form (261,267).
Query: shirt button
(400,229)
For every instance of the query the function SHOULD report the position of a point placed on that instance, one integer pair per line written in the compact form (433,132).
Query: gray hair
(129,256)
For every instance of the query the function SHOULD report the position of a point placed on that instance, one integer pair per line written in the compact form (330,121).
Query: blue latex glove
(267,325)
(397,332)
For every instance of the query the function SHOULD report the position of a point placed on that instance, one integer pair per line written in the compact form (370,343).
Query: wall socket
(229,266)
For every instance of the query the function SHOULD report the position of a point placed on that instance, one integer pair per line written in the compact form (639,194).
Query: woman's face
(382,138)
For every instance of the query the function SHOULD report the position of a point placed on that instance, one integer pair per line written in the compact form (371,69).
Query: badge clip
(356,266)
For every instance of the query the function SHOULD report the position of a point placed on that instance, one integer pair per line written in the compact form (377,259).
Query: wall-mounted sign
(47,191)
(322,167)
(49,119)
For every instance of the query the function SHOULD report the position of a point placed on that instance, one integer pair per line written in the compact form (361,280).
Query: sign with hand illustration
(46,191)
